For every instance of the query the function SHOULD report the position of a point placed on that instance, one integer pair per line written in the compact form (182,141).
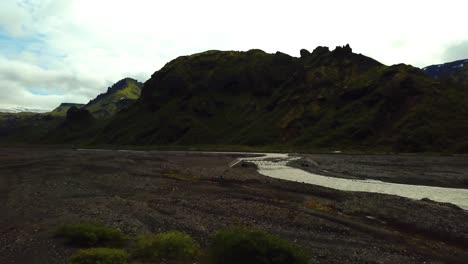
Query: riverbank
(139,192)
(296,168)
(440,171)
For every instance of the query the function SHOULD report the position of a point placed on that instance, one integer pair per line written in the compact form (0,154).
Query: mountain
(440,71)
(119,96)
(62,109)
(30,127)
(20,109)
(324,99)
(454,73)
(26,127)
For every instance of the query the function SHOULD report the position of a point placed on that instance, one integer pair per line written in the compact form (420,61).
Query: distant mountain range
(20,109)
(32,126)
(445,70)
(325,99)
(455,73)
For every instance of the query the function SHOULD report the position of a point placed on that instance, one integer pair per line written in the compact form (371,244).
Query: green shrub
(91,235)
(232,246)
(99,256)
(169,245)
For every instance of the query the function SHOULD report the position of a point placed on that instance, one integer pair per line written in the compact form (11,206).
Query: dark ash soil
(198,193)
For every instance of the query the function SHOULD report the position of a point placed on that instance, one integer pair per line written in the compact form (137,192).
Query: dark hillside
(323,99)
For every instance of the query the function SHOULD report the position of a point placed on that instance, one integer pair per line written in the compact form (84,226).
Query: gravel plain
(138,192)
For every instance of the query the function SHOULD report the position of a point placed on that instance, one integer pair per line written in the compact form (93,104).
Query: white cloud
(457,51)
(17,79)
(86,45)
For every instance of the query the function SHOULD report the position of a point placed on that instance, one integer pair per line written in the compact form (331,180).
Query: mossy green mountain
(62,109)
(324,99)
(119,96)
(66,119)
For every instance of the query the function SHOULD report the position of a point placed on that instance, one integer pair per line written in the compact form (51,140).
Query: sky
(54,51)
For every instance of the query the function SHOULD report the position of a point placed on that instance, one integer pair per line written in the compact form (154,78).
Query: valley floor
(138,192)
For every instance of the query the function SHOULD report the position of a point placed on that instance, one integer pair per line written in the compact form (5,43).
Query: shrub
(100,256)
(251,246)
(91,235)
(169,245)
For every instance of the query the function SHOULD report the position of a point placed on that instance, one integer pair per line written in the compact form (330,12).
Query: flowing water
(275,166)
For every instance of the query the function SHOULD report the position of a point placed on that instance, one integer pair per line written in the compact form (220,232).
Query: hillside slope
(441,71)
(62,109)
(26,128)
(455,72)
(56,126)
(120,95)
(323,99)
(117,97)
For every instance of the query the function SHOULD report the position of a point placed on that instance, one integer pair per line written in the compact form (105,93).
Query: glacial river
(275,166)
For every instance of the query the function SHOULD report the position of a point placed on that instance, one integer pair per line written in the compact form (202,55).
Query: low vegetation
(232,246)
(320,206)
(173,245)
(89,235)
(99,256)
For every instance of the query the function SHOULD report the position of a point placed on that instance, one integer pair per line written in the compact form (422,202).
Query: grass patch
(173,245)
(100,256)
(317,205)
(90,235)
(232,246)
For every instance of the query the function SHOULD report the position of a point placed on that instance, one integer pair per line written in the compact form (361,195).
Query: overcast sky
(54,51)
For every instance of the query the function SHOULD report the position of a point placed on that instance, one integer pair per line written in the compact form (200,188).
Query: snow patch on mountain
(19,109)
